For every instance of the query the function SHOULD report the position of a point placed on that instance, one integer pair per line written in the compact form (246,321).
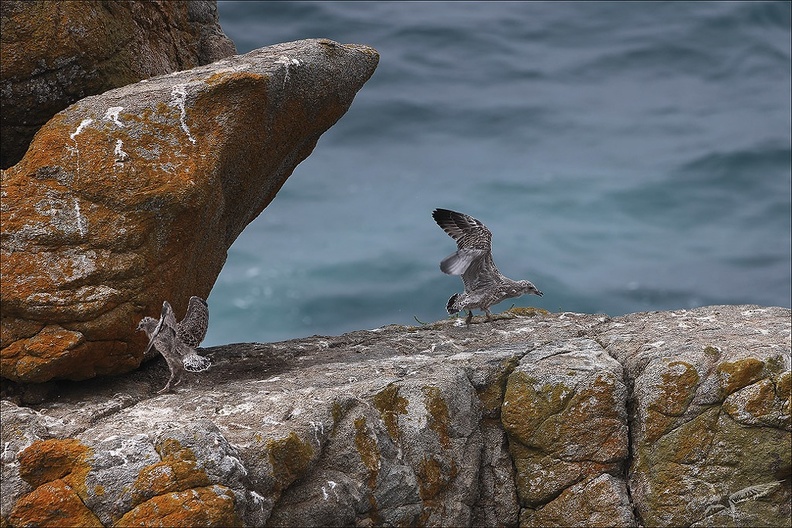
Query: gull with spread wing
(177,341)
(484,284)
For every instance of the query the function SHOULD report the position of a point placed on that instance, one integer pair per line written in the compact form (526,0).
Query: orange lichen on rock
(54,504)
(207,506)
(57,470)
(55,53)
(48,460)
(70,355)
(177,471)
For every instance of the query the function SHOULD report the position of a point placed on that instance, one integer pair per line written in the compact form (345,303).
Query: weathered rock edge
(134,196)
(677,418)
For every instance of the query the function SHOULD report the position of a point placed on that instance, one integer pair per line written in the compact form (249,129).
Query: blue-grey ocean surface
(626,157)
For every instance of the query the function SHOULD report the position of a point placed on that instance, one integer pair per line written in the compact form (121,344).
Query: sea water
(627,156)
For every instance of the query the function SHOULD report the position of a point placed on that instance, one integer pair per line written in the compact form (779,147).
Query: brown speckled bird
(177,341)
(484,284)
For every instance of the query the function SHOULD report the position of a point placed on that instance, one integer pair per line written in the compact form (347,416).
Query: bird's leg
(489,315)
(469,318)
(166,388)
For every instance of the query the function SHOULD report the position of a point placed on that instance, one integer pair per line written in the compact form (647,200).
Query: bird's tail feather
(450,305)
(195,363)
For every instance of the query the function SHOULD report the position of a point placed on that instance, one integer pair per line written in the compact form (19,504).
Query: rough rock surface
(55,53)
(656,419)
(132,197)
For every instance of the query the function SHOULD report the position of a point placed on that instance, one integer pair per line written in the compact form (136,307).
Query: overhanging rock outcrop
(677,418)
(134,196)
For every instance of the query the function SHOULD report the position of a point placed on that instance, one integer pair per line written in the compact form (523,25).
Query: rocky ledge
(677,418)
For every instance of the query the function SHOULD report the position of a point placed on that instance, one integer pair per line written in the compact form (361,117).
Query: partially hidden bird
(177,341)
(484,284)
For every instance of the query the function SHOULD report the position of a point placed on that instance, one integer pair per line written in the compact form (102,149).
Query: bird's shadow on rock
(229,362)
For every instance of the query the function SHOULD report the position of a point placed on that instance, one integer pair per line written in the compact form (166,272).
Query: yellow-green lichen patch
(337,412)
(672,396)
(776,364)
(178,470)
(234,77)
(784,385)
(527,311)
(590,424)
(528,402)
(429,478)
(491,394)
(437,408)
(712,352)
(690,442)
(737,374)
(390,405)
(760,401)
(432,479)
(290,458)
(366,444)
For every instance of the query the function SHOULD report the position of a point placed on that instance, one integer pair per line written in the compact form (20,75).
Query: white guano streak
(112,115)
(85,123)
(179,98)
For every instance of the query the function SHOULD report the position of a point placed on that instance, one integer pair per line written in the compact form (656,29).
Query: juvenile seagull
(177,341)
(484,284)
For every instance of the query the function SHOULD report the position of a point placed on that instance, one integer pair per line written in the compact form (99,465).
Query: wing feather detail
(192,329)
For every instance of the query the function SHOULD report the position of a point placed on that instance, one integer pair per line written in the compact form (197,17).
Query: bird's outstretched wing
(473,258)
(192,329)
(464,229)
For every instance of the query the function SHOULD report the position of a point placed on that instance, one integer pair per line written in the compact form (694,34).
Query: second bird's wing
(192,329)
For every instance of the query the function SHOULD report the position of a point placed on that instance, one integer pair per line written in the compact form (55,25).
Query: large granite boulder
(653,419)
(132,197)
(56,53)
